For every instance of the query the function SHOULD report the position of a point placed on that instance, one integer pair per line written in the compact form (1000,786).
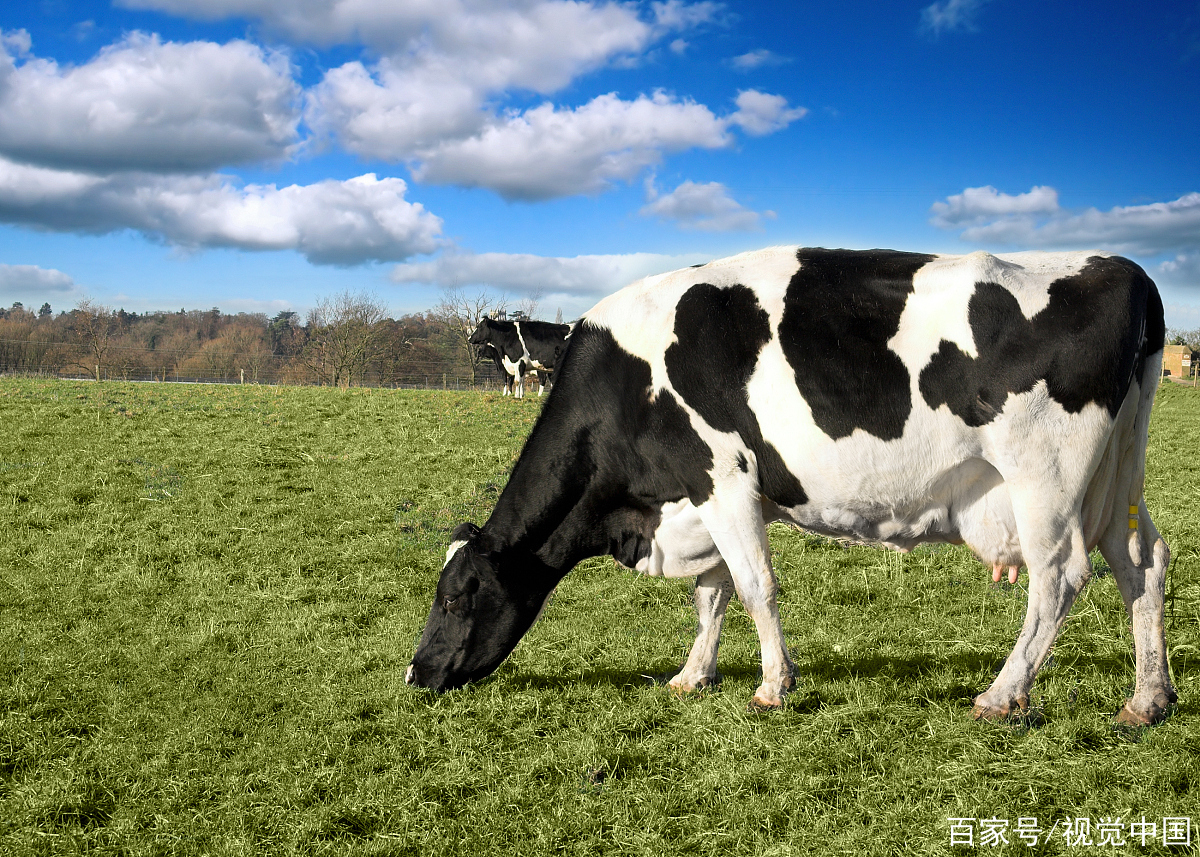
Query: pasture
(209,596)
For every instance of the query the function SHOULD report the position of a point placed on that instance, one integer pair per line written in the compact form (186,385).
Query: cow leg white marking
(1058,564)
(713,590)
(1142,581)
(734,519)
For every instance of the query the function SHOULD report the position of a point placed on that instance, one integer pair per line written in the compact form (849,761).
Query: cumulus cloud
(581,276)
(548,151)
(329,222)
(707,207)
(539,45)
(149,105)
(757,59)
(760,113)
(20,280)
(950,15)
(982,204)
(433,105)
(1035,219)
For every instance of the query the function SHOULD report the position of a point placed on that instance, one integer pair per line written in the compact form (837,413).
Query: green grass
(209,596)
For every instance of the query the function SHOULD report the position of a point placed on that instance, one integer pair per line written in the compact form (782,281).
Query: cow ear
(464,532)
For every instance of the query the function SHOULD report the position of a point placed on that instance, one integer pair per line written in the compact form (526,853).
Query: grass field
(209,595)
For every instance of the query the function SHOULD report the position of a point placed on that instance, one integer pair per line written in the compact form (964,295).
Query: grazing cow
(897,398)
(523,346)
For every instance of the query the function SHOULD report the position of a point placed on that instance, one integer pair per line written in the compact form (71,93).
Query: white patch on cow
(681,545)
(454,548)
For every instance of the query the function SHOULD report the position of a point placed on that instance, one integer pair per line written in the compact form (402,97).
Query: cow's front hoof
(1146,715)
(683,684)
(770,698)
(987,710)
(759,703)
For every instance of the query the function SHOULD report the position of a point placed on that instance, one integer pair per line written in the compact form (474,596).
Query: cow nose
(409,677)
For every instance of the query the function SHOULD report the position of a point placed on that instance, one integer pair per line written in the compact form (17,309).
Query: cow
(510,377)
(523,346)
(888,397)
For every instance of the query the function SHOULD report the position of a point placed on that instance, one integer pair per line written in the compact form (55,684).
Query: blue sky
(263,154)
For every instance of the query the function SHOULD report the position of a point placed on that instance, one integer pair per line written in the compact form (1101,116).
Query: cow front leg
(734,519)
(1142,582)
(1058,568)
(713,590)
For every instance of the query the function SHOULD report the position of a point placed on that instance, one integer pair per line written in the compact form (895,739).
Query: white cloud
(579,276)
(434,105)
(29,280)
(1035,219)
(760,113)
(982,204)
(539,45)
(149,105)
(757,59)
(707,207)
(548,151)
(329,222)
(950,15)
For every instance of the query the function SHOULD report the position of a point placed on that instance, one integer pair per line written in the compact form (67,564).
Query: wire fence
(129,363)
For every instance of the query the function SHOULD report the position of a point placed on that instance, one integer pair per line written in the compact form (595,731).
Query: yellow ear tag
(1133,517)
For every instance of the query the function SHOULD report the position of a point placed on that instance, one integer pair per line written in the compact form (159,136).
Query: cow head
(478,616)
(482,332)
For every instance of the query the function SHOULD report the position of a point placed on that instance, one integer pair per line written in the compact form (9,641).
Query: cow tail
(1149,362)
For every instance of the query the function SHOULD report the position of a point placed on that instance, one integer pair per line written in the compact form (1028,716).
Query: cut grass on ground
(209,595)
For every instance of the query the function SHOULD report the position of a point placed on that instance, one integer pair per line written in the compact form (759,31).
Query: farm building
(1177,361)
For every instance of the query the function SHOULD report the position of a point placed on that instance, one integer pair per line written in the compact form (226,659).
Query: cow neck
(549,506)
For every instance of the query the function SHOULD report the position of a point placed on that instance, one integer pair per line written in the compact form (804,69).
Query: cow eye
(450,603)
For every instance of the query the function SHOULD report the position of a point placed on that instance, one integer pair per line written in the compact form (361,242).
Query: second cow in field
(895,398)
(521,347)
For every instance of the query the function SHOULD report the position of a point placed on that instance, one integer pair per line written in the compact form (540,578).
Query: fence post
(243,374)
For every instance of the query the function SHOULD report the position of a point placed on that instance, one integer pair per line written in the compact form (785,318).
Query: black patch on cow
(742,464)
(840,310)
(1085,344)
(719,333)
(601,460)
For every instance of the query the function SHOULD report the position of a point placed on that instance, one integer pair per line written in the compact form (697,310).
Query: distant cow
(523,346)
(890,397)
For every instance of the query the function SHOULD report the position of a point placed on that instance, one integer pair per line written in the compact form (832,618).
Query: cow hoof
(1149,715)
(683,686)
(759,703)
(997,713)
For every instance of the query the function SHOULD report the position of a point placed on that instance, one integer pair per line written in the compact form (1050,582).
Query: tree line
(345,340)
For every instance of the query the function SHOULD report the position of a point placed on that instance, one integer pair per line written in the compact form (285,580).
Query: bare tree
(344,335)
(93,325)
(529,305)
(460,314)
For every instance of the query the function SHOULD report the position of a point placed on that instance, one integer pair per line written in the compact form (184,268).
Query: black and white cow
(898,398)
(522,347)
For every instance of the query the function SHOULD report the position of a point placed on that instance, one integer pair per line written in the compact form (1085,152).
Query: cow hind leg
(1141,578)
(1058,564)
(713,590)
